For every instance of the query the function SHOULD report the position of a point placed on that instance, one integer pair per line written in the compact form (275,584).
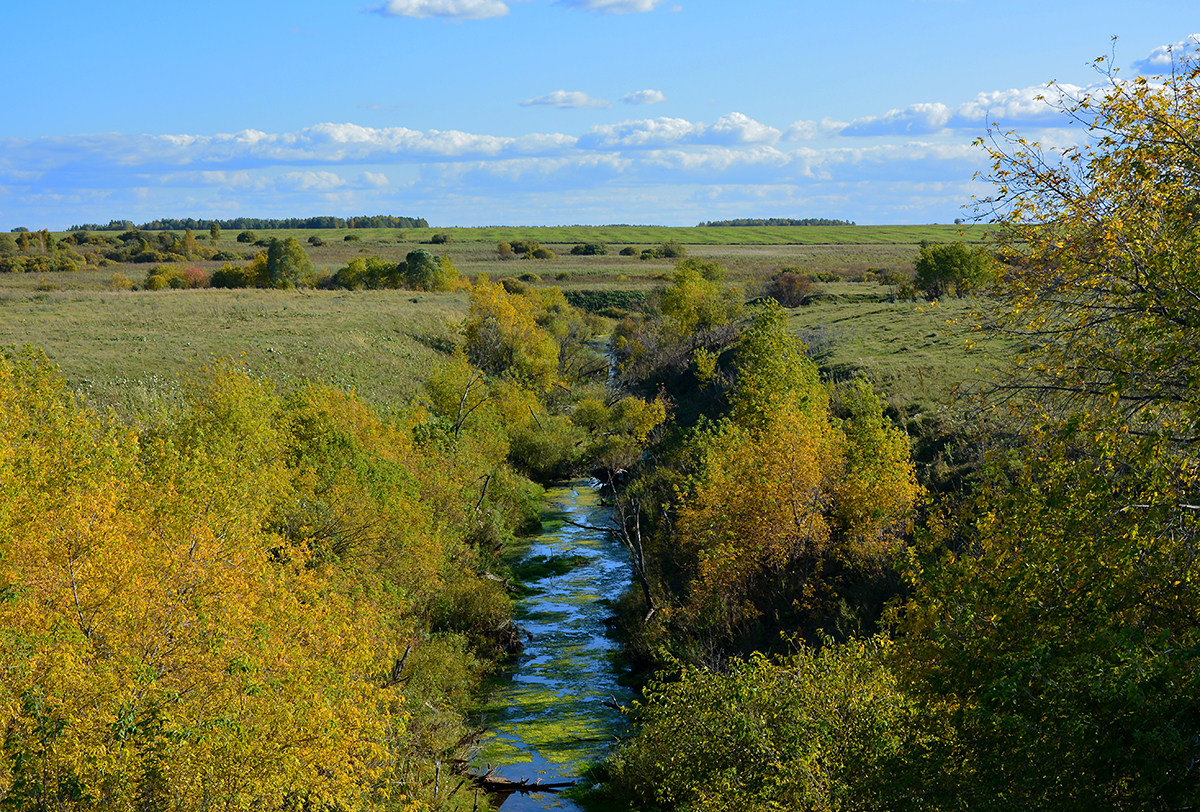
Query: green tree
(945,268)
(214,234)
(287,264)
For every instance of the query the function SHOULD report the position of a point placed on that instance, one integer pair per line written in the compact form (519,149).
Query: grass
(125,349)
(916,354)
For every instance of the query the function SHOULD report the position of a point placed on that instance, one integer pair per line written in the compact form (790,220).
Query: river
(548,719)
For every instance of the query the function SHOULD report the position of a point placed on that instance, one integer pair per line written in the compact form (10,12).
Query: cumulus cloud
(813,130)
(644,97)
(736,128)
(1165,58)
(916,119)
(376,179)
(574,99)
(447,9)
(614,6)
(643,134)
(733,129)
(308,181)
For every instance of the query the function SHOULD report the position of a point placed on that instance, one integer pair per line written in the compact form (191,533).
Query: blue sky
(536,112)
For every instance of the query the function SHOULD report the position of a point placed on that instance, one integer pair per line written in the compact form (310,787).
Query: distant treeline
(779,221)
(237,223)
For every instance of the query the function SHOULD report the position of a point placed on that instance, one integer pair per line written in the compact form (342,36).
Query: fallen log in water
(494,783)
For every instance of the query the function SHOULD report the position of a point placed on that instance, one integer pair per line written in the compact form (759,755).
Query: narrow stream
(549,719)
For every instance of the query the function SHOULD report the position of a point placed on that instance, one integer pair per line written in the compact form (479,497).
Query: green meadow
(126,348)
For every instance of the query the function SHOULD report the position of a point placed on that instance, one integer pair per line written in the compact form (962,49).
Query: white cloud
(813,130)
(655,133)
(1165,58)
(643,134)
(736,128)
(448,9)
(614,6)
(574,99)
(376,179)
(916,119)
(308,181)
(644,97)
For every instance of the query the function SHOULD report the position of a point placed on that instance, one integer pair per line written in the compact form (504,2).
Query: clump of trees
(589,249)
(420,270)
(254,599)
(942,269)
(1043,650)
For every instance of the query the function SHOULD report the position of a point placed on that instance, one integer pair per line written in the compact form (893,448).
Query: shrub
(789,288)
(440,238)
(524,246)
(629,251)
(590,249)
(824,276)
(315,240)
(247,236)
(504,250)
(562,276)
(195,277)
(119,281)
(514,286)
(229,276)
(529,277)
(542,253)
(351,238)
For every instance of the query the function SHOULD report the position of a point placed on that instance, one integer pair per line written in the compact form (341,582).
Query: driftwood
(494,783)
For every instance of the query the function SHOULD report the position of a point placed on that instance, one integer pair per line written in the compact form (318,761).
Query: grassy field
(126,348)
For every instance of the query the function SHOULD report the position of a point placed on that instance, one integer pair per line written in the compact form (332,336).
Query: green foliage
(813,731)
(954,268)
(229,276)
(441,238)
(424,271)
(542,253)
(589,249)
(287,265)
(247,237)
(629,251)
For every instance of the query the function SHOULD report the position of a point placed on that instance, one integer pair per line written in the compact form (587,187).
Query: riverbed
(549,718)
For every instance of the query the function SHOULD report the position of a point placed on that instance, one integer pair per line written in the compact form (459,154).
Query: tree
(214,234)
(1101,274)
(288,264)
(422,270)
(942,269)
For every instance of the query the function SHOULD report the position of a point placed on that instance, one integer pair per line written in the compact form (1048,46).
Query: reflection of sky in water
(548,720)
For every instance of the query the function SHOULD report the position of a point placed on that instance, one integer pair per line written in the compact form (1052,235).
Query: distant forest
(170,224)
(778,221)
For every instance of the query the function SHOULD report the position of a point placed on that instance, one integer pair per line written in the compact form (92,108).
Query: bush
(824,276)
(247,236)
(229,276)
(529,277)
(590,249)
(351,238)
(119,281)
(440,239)
(195,277)
(504,250)
(314,240)
(562,276)
(789,288)
(629,251)
(542,253)
(514,286)
(525,247)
